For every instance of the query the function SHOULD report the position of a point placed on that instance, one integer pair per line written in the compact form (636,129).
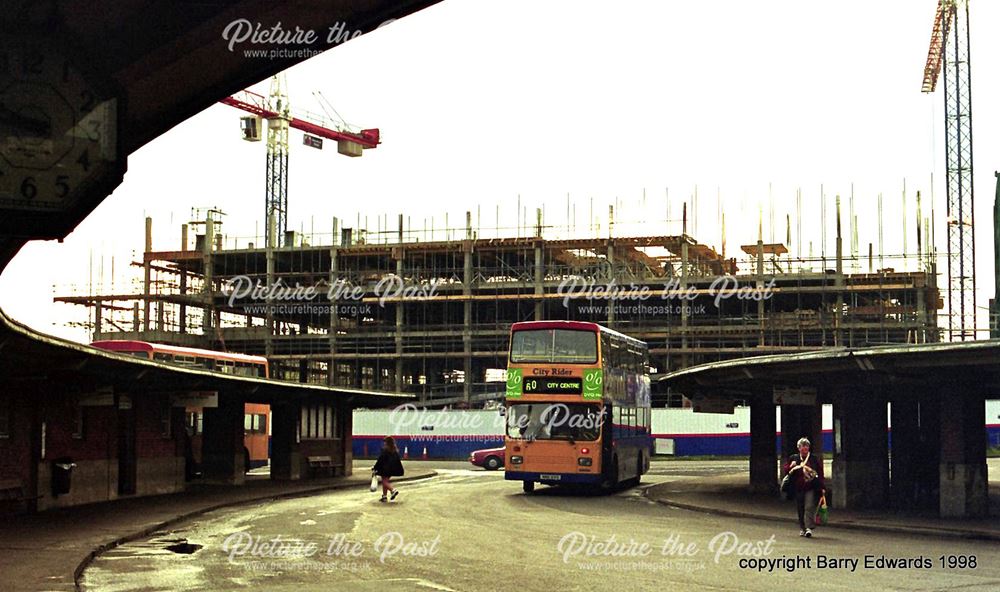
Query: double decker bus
(256,416)
(577,405)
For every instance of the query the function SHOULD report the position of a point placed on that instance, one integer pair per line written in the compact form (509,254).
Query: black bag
(787,487)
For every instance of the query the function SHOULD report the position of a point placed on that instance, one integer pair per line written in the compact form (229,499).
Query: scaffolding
(428,311)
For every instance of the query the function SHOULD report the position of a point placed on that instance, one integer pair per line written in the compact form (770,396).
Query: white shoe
(809,533)
(802,533)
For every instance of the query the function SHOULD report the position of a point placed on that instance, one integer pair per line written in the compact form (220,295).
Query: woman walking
(388,466)
(806,471)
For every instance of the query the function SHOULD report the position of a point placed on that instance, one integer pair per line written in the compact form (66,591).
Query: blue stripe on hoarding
(460,447)
(413,446)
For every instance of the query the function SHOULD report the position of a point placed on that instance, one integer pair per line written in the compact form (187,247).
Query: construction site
(429,311)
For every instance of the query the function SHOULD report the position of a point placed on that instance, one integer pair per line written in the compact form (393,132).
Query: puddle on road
(184,548)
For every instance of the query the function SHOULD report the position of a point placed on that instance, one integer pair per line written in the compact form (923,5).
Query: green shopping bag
(822,514)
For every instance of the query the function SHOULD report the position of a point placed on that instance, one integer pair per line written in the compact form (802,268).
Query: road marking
(422,582)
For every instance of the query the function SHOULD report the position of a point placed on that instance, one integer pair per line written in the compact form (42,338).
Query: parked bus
(256,418)
(577,405)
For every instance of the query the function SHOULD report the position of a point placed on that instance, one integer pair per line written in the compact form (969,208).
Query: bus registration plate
(550,477)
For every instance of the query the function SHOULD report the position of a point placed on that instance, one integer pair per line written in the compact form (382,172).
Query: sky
(486,104)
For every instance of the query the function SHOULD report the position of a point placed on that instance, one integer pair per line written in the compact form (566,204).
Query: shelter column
(763,457)
(286,458)
(905,444)
(222,441)
(962,469)
(861,451)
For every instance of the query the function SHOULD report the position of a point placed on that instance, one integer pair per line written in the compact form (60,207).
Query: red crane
(275,109)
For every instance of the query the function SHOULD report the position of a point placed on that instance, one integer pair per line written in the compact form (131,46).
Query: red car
(490,459)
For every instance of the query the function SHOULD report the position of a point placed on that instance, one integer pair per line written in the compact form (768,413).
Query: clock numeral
(61,186)
(28,188)
(84,160)
(94,131)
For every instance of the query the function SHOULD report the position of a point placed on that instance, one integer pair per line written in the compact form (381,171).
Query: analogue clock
(59,138)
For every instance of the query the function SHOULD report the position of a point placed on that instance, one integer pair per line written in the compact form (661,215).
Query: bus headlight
(584,461)
(516,460)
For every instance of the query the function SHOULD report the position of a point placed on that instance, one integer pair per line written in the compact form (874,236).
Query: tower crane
(949,47)
(275,109)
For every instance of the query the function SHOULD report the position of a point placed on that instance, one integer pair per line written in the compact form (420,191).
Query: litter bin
(62,475)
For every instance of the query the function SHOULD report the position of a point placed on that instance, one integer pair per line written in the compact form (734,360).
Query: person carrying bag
(386,467)
(804,473)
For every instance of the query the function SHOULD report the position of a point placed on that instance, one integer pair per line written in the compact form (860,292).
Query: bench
(11,489)
(12,494)
(320,465)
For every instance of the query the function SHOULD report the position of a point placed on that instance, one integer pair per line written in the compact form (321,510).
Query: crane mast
(276,170)
(949,47)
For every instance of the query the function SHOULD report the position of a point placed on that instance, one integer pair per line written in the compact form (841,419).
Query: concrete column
(345,415)
(904,442)
(761,324)
(146,273)
(928,450)
(286,457)
(861,452)
(838,331)
(467,316)
(685,361)
(962,468)
(182,320)
(611,268)
(763,458)
(222,442)
(398,378)
(922,316)
(209,320)
(269,278)
(539,278)
(98,318)
(331,372)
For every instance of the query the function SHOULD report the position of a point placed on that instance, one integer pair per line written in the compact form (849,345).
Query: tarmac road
(469,530)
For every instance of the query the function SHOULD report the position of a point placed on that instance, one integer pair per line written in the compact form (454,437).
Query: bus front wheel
(529,486)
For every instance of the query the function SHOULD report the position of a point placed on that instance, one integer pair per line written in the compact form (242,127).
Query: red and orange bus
(577,405)
(256,416)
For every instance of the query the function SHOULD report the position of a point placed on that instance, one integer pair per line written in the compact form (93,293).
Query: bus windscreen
(554,421)
(563,346)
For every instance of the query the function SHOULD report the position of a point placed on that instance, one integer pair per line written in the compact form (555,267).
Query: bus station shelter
(81,425)
(932,395)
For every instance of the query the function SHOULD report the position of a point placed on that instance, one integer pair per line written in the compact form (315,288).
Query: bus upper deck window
(566,346)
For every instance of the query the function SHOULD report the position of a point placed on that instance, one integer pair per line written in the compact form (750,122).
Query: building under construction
(429,313)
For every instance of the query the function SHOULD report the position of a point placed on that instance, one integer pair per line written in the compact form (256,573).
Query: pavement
(48,551)
(727,495)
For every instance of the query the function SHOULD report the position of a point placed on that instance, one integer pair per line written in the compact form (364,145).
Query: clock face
(58,129)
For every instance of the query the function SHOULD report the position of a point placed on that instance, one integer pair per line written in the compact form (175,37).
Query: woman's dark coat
(389,465)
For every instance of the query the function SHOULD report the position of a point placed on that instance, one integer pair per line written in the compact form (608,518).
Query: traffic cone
(406,452)
(424,455)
